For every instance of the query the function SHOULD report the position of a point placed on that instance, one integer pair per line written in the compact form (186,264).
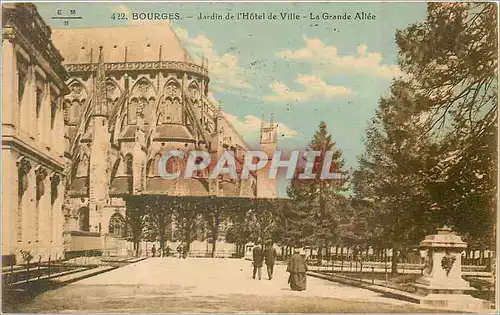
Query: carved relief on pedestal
(447,262)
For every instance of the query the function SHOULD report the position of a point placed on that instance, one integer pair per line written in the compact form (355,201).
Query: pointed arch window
(117,225)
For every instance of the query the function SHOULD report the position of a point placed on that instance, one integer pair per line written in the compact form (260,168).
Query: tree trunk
(394,261)
(214,247)
(319,256)
(136,245)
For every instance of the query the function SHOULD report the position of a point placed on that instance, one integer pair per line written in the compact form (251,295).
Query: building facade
(33,86)
(93,121)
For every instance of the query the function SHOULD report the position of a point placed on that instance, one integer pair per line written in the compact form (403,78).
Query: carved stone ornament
(24,165)
(171,90)
(194,92)
(447,263)
(157,65)
(76,88)
(143,87)
(110,88)
(428,263)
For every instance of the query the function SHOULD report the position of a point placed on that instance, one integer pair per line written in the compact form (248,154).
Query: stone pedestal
(442,284)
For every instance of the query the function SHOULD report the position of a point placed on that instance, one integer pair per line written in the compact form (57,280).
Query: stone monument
(442,284)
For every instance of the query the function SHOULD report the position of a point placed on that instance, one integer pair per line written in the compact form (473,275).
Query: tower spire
(100,88)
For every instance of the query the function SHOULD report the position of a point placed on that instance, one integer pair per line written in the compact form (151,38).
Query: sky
(302,71)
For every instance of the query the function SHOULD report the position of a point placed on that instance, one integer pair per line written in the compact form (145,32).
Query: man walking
(270,255)
(258,258)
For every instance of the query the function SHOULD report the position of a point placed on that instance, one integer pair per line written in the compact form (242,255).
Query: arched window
(84,219)
(117,225)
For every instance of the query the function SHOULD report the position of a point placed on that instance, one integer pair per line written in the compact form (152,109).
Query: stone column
(58,220)
(9,201)
(98,177)
(29,101)
(9,84)
(42,190)
(29,210)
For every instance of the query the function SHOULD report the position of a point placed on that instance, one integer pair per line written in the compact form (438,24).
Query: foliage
(389,186)
(452,62)
(317,203)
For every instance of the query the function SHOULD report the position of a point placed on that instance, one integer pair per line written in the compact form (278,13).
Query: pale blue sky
(302,71)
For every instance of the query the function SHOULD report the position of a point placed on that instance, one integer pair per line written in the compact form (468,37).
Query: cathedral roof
(134,42)
(171,131)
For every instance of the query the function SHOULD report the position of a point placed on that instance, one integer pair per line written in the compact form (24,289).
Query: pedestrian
(270,255)
(297,268)
(185,250)
(258,259)
(180,249)
(153,251)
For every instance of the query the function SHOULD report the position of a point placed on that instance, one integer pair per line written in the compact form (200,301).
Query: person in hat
(297,268)
(270,255)
(258,259)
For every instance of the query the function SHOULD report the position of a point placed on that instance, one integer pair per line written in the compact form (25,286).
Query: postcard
(232,157)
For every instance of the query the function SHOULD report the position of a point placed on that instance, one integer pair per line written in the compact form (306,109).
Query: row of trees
(431,154)
(430,157)
(186,219)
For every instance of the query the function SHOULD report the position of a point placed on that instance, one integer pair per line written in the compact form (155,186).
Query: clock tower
(266,187)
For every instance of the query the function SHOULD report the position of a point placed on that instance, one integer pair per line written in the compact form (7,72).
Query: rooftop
(134,43)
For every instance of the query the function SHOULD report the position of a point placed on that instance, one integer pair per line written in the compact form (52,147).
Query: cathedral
(87,114)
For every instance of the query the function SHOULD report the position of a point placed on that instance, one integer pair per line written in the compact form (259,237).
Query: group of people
(297,266)
(182,250)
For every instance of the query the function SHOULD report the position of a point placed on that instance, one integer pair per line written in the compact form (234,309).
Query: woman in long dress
(297,268)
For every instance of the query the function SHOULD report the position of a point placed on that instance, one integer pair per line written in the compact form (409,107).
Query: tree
(213,214)
(316,202)
(187,221)
(239,232)
(452,60)
(389,184)
(158,219)
(452,64)
(135,213)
